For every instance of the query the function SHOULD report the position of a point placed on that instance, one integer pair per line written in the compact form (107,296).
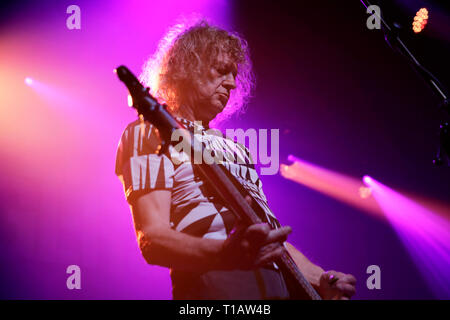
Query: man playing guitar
(179,221)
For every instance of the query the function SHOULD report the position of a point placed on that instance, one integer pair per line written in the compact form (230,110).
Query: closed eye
(226,70)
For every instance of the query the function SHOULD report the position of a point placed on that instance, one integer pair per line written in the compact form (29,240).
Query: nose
(230,82)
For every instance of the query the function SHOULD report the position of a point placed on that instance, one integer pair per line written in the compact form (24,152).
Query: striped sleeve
(138,165)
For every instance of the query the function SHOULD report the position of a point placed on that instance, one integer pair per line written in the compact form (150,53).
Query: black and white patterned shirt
(194,209)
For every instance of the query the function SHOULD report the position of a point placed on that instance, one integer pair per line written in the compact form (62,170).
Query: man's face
(213,91)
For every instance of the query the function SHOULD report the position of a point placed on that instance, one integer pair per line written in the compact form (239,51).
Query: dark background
(346,101)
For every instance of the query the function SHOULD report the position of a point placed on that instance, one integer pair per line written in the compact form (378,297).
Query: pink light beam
(424,233)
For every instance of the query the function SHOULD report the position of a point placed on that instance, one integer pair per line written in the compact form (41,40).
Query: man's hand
(252,247)
(337,285)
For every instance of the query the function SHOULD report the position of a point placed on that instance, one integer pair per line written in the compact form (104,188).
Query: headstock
(152,111)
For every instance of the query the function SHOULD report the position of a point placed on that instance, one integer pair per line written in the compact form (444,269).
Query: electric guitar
(226,186)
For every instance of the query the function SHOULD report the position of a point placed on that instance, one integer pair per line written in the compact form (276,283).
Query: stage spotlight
(365,192)
(28,81)
(420,20)
(367,179)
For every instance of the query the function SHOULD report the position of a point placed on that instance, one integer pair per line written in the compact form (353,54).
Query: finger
(248,199)
(269,257)
(257,233)
(278,235)
(268,248)
(329,276)
(332,279)
(259,228)
(349,279)
(346,289)
(256,255)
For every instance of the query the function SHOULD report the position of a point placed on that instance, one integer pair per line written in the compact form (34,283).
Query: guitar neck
(303,290)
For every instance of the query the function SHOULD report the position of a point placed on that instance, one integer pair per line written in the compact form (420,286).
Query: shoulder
(139,137)
(246,151)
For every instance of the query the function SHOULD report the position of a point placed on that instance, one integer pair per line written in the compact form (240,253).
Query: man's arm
(164,246)
(246,248)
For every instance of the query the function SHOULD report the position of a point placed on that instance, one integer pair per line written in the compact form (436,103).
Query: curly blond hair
(183,56)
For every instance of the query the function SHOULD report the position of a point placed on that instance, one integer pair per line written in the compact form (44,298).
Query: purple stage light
(336,185)
(425,233)
(72,109)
